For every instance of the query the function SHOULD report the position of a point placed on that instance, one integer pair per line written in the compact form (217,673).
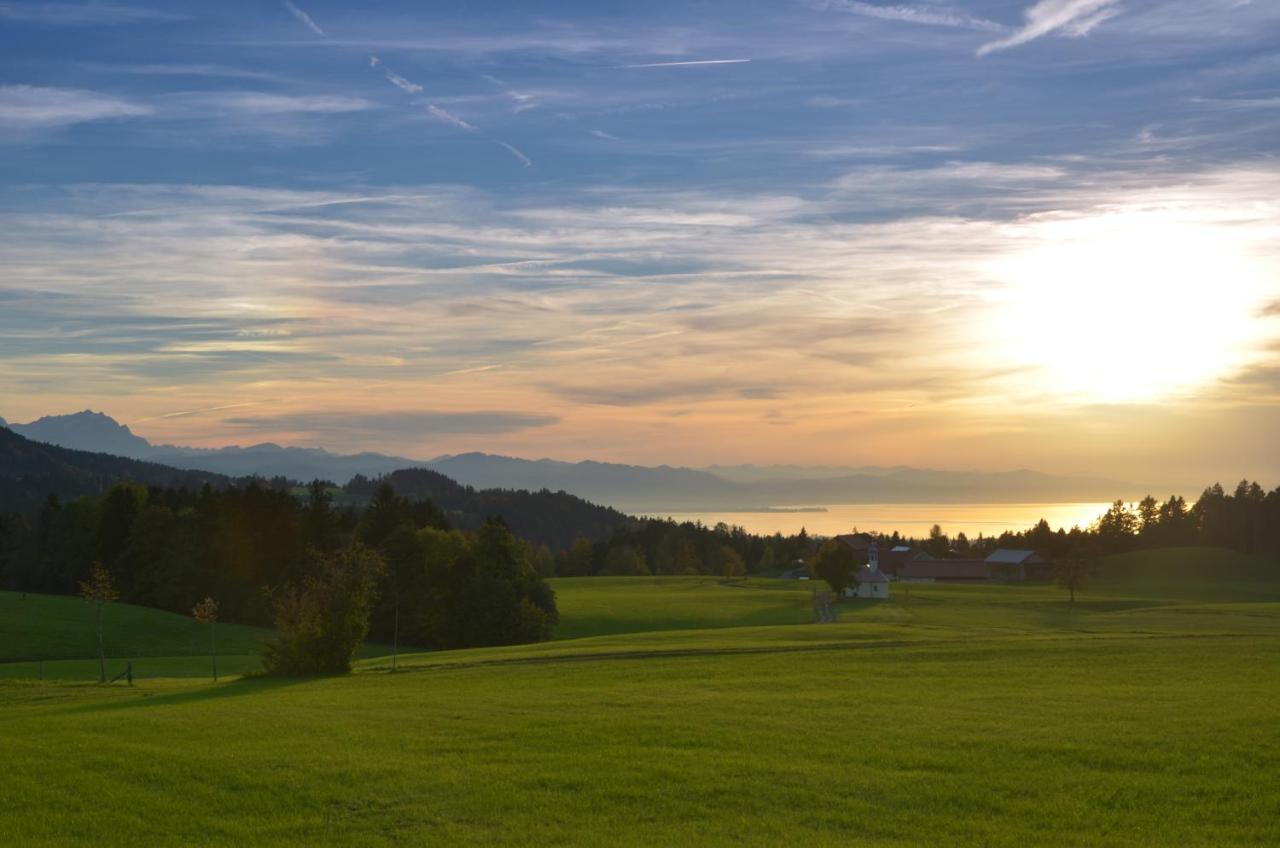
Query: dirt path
(822,611)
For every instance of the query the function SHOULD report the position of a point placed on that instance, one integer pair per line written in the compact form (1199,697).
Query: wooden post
(102,650)
(395,638)
(213,646)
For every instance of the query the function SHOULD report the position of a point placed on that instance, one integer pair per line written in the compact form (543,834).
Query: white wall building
(869,581)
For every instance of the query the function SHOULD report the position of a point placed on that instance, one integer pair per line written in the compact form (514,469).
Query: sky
(975,235)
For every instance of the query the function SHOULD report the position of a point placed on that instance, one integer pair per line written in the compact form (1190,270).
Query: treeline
(663,546)
(1246,520)
(261,551)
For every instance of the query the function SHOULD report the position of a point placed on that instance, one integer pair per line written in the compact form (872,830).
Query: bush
(320,625)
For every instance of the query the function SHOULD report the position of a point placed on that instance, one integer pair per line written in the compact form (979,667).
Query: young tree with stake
(206,612)
(100,591)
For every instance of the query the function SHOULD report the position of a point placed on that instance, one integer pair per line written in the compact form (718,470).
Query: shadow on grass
(1066,607)
(197,693)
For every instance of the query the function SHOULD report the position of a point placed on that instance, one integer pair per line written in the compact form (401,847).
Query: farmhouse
(890,561)
(869,581)
(859,543)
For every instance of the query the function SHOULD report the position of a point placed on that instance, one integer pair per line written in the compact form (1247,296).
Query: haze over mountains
(628,487)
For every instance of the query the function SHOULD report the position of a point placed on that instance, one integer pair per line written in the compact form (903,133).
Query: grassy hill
(594,606)
(1190,573)
(58,627)
(951,715)
(57,636)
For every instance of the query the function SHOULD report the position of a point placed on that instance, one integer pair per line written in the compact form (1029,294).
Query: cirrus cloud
(31,107)
(1075,17)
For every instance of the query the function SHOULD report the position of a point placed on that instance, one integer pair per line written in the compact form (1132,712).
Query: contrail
(407,86)
(187,412)
(524,160)
(304,18)
(449,118)
(523,101)
(440,114)
(683,64)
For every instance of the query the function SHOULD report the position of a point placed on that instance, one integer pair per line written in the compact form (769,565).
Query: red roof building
(947,571)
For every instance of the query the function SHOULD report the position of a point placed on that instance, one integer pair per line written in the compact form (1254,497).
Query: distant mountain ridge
(31,471)
(634,488)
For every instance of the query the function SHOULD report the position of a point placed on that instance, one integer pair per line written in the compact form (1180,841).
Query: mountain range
(634,488)
(31,472)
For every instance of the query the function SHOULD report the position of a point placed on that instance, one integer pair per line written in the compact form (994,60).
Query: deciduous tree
(320,624)
(99,591)
(206,612)
(834,564)
(1072,572)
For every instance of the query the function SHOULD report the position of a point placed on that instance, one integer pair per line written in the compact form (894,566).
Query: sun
(1128,306)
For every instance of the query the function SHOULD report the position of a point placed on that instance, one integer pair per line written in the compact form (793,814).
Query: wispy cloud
(687,63)
(1074,17)
(926,15)
(181,70)
(304,18)
(82,14)
(29,107)
(602,134)
(262,103)
(611,309)
(410,424)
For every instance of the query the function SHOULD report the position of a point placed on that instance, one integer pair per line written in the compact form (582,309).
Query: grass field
(58,627)
(968,715)
(591,606)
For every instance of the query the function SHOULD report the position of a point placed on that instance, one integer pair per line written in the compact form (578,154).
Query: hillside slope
(58,627)
(31,471)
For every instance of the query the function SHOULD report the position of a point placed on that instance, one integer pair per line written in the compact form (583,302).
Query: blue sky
(749,231)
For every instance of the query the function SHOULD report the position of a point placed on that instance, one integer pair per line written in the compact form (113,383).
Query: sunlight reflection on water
(908,519)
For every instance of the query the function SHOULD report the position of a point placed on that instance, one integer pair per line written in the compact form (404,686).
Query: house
(1014,564)
(947,571)
(859,543)
(869,581)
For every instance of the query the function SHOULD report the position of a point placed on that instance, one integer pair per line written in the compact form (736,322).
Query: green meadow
(688,711)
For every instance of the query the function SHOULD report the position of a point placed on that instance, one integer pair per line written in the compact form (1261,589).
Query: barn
(947,571)
(1014,564)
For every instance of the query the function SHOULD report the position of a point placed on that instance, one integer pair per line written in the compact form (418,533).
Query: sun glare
(1128,307)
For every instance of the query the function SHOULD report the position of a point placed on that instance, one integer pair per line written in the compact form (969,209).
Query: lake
(908,519)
